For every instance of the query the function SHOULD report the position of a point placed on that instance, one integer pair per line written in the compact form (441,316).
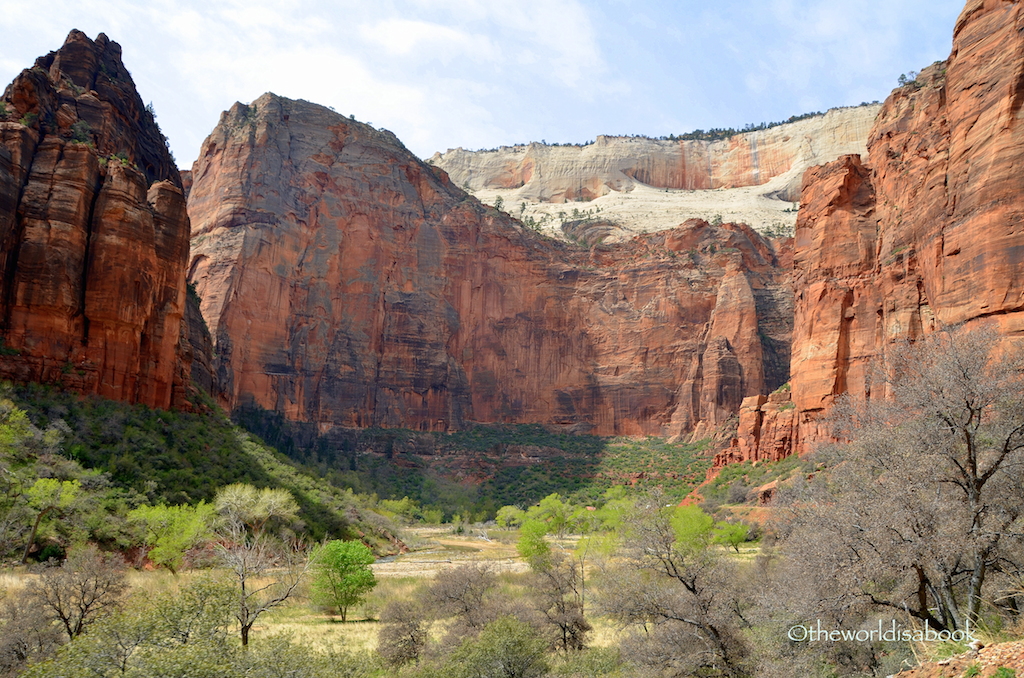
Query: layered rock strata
(569,173)
(926,235)
(346,283)
(93,233)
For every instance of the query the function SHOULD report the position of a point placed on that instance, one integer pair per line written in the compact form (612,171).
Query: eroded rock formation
(928,233)
(93,233)
(764,432)
(567,173)
(346,283)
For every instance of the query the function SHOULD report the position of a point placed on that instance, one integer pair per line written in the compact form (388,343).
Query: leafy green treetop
(173,530)
(731,535)
(531,545)
(245,505)
(342,575)
(47,495)
(510,516)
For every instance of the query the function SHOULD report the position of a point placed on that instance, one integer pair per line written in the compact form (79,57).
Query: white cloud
(404,37)
(474,73)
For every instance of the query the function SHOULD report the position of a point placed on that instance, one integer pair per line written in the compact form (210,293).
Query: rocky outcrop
(764,432)
(186,181)
(928,233)
(348,284)
(568,173)
(93,232)
(990,661)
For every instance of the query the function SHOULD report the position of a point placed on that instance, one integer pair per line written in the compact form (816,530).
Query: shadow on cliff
(474,472)
(161,456)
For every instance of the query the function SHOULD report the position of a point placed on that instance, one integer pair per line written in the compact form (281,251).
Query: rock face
(348,284)
(764,433)
(929,233)
(568,173)
(93,233)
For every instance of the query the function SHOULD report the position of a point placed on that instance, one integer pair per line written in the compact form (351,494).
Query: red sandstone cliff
(928,234)
(346,283)
(93,233)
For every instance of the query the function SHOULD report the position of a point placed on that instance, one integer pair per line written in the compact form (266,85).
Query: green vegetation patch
(474,472)
(184,458)
(734,481)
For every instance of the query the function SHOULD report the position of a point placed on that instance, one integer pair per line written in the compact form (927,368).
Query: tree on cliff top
(923,508)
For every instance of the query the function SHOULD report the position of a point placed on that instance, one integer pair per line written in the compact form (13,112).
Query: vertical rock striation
(347,283)
(93,232)
(928,234)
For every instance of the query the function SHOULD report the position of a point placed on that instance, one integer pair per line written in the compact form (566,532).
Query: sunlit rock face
(927,234)
(93,233)
(347,283)
(569,173)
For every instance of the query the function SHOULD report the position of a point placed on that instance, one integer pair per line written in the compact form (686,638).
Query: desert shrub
(402,637)
(506,647)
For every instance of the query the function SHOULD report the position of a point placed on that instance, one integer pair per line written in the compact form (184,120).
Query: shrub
(403,633)
(88,587)
(506,647)
(80,133)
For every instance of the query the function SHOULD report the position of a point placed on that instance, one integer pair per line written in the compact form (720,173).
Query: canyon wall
(926,235)
(566,173)
(93,233)
(346,283)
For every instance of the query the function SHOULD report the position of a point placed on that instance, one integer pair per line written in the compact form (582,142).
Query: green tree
(15,427)
(616,507)
(173,530)
(532,545)
(253,508)
(553,511)
(342,574)
(693,529)
(731,535)
(510,516)
(907,78)
(47,495)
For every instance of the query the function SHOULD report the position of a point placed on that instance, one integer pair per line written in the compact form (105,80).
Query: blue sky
(482,73)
